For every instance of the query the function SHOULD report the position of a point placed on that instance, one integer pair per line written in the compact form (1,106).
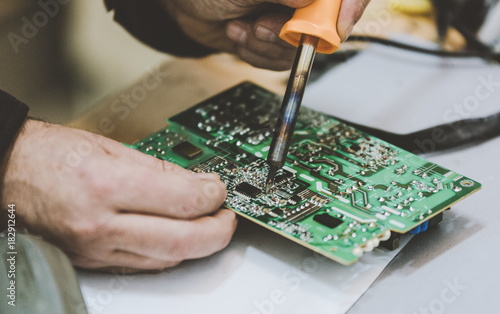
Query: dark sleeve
(150,22)
(12,115)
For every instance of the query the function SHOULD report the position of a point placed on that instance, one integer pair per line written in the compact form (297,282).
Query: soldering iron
(312,29)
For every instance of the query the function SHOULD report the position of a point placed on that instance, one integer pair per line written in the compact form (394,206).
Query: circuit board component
(341,193)
(187,150)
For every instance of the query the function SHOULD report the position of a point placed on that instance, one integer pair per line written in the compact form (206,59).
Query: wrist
(5,163)
(16,177)
(12,117)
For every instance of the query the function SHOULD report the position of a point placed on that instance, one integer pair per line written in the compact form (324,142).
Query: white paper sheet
(260,272)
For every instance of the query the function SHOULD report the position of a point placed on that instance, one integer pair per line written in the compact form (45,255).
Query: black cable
(440,53)
(441,137)
(472,40)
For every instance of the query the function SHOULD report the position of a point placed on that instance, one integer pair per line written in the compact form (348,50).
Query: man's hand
(250,28)
(109,206)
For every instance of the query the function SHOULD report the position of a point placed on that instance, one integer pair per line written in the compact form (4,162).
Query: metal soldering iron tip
(270,178)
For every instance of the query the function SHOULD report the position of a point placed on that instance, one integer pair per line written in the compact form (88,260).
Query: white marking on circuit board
(290,169)
(380,216)
(360,220)
(259,154)
(320,188)
(342,199)
(266,149)
(391,210)
(449,173)
(397,223)
(308,178)
(458,178)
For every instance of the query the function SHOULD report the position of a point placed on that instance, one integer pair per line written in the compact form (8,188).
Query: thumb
(350,12)
(161,187)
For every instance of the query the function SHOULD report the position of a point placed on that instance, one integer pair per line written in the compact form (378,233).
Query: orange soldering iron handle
(318,19)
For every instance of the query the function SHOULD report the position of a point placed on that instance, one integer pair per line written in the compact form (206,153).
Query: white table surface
(449,269)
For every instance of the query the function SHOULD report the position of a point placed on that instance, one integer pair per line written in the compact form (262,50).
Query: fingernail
(265,34)
(236,33)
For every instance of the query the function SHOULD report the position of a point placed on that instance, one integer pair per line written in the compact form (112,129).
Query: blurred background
(73,59)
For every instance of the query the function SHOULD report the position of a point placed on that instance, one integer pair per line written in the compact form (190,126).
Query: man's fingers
(141,183)
(122,262)
(173,240)
(258,42)
(178,194)
(260,61)
(350,13)
(262,33)
(170,192)
(268,27)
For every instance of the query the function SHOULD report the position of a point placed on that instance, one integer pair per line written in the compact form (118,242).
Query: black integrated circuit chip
(282,178)
(187,150)
(278,212)
(327,220)
(295,200)
(355,147)
(248,190)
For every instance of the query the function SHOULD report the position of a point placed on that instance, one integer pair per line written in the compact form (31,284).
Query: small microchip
(327,220)
(187,150)
(248,190)
(282,178)
(355,147)
(231,166)
(295,200)
(278,212)
(393,242)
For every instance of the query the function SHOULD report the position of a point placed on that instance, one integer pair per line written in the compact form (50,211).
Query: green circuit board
(341,193)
